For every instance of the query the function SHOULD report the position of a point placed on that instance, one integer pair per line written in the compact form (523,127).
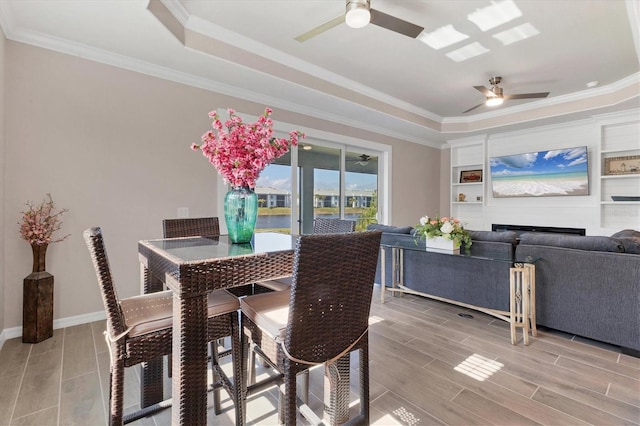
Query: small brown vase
(37,299)
(39,257)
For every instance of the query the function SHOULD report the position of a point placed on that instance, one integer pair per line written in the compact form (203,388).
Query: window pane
(361,189)
(274,197)
(319,184)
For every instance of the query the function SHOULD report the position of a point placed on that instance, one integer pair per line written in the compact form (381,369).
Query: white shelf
(617,151)
(627,176)
(467,155)
(619,139)
(469,166)
(467,183)
(617,203)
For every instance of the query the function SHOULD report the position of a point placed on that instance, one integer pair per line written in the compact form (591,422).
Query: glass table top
(485,253)
(202,248)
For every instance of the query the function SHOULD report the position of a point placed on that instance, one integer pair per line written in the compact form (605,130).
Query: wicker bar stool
(139,329)
(191,227)
(202,227)
(322,319)
(320,226)
(333,226)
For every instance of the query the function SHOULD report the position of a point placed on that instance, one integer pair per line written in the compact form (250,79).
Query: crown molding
(217,32)
(435,135)
(630,81)
(124,62)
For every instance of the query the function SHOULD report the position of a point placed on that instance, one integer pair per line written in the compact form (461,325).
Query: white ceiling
(370,78)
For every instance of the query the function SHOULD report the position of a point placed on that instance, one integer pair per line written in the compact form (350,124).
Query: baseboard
(10,333)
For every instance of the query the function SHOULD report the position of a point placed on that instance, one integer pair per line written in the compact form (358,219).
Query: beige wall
(445,179)
(112,146)
(416,183)
(2,180)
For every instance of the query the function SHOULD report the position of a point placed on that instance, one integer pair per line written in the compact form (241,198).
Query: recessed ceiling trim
(570,106)
(597,98)
(631,82)
(215,32)
(91,53)
(174,7)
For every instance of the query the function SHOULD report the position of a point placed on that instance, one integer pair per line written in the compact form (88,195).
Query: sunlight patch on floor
(400,416)
(375,319)
(478,367)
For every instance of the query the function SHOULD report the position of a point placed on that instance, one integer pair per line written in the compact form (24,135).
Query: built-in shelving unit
(468,197)
(620,174)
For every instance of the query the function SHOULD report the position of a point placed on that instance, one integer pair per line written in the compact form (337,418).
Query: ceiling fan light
(494,101)
(358,14)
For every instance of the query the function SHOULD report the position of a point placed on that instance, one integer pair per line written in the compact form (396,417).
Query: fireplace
(519,229)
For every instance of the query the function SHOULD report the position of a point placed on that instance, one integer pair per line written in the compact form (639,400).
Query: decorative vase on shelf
(37,299)
(443,245)
(240,213)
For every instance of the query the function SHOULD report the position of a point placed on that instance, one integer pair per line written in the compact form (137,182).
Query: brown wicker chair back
(139,330)
(327,317)
(95,243)
(125,350)
(225,325)
(331,290)
(191,227)
(333,226)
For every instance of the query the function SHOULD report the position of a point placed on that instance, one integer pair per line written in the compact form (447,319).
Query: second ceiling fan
(358,14)
(495,95)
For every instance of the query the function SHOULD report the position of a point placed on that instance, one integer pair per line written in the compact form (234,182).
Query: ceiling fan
(358,14)
(495,96)
(363,160)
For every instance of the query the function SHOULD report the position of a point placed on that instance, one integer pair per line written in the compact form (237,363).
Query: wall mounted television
(541,174)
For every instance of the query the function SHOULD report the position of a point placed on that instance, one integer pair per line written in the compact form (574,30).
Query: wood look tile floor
(428,367)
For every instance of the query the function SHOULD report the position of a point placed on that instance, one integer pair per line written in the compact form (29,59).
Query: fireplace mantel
(519,229)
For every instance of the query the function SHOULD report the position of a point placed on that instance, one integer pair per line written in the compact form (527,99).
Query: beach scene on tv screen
(539,174)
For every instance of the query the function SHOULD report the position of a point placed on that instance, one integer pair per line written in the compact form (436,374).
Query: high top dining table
(191,268)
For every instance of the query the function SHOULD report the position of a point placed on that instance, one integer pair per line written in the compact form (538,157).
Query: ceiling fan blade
(471,109)
(392,23)
(527,95)
(320,29)
(488,93)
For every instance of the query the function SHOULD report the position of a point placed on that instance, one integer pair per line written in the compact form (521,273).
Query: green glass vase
(240,213)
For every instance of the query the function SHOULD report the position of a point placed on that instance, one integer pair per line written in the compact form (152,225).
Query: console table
(522,309)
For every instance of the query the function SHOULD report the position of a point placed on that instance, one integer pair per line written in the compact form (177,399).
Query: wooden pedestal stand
(37,300)
(37,307)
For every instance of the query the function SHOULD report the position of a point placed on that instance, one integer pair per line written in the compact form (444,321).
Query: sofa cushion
(630,239)
(389,228)
(627,233)
(589,243)
(631,245)
(496,237)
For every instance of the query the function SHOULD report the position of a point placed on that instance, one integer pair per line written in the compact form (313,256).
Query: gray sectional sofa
(588,286)
(585,285)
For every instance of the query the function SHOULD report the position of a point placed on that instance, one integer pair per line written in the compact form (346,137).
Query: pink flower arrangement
(240,151)
(40,222)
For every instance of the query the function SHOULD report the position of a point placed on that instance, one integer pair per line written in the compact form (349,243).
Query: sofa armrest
(587,243)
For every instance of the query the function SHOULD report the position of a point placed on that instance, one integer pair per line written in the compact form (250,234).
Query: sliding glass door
(318,185)
(361,188)
(330,181)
